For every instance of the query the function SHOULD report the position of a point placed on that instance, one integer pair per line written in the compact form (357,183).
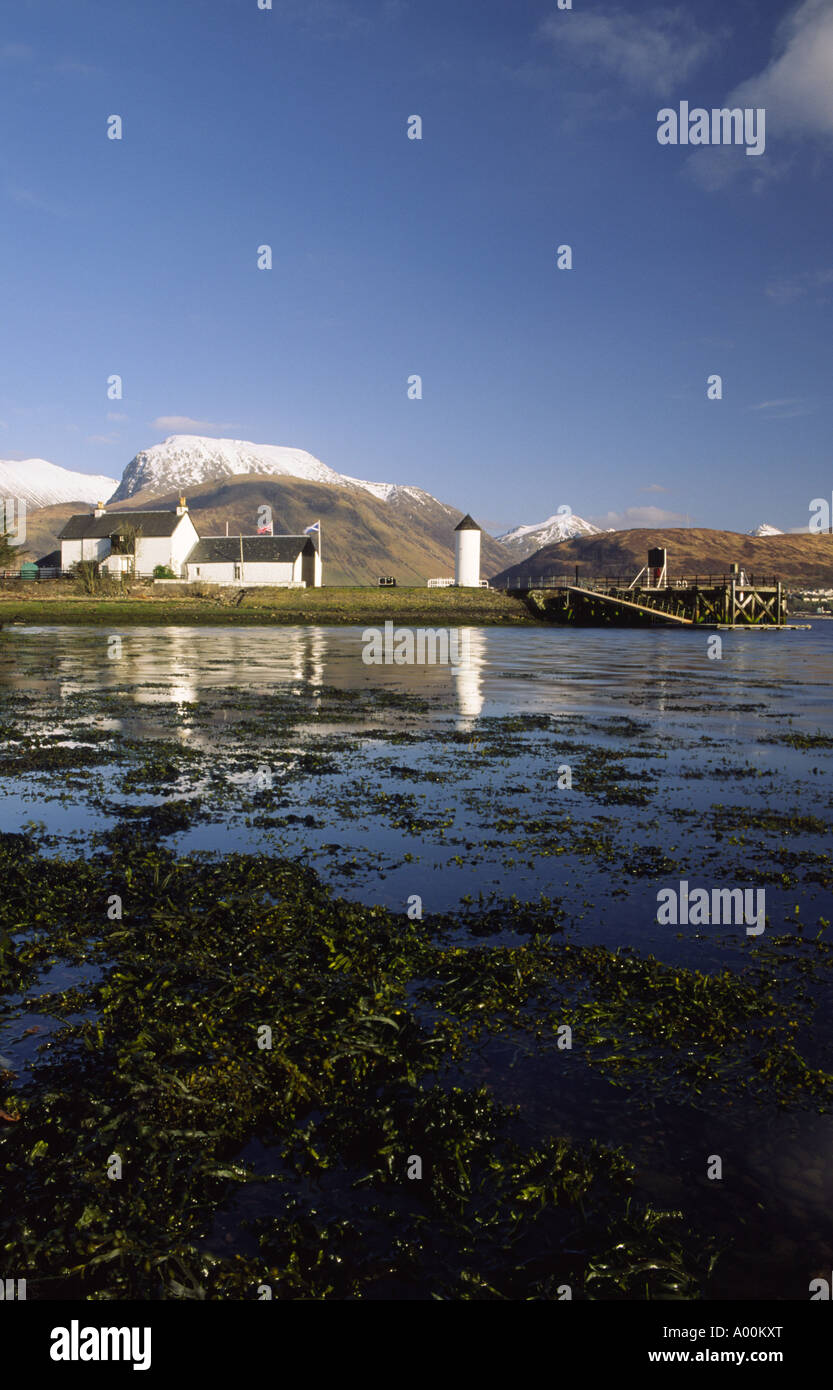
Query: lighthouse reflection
(468,677)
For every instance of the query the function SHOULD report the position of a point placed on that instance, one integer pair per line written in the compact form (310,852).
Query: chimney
(182,508)
(99,511)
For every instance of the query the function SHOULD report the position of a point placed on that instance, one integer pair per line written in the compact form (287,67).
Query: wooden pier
(714,601)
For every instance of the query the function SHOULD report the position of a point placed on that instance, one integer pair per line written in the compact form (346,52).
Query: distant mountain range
(42,484)
(186,461)
(799,558)
(525,540)
(368,528)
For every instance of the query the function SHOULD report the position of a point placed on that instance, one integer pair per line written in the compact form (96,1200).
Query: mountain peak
(43,484)
(522,541)
(189,460)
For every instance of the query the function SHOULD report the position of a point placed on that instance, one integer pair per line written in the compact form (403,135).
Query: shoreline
(258,607)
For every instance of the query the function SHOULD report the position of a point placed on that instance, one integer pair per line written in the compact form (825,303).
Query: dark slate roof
(90,527)
(214,550)
(467,524)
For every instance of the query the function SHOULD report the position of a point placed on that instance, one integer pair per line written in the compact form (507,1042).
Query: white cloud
(652,50)
(183,424)
(654,487)
(15,52)
(639,516)
(796,88)
(787,409)
(28,198)
(713,167)
(788,290)
(332,19)
(72,65)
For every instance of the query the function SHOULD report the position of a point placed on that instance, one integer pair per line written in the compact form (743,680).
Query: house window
(198,571)
(238,572)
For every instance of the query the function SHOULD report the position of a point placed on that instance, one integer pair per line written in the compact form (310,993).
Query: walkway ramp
(628,603)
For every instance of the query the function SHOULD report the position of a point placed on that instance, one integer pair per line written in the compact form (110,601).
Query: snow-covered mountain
(41,484)
(525,540)
(766,530)
(188,460)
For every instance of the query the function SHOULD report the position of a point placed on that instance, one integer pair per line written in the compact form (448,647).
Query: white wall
(270,572)
(150,550)
(467,559)
(118,564)
(222,572)
(166,550)
(89,549)
(184,539)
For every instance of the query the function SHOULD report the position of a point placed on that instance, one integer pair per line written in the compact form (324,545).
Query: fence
(601,584)
(29,577)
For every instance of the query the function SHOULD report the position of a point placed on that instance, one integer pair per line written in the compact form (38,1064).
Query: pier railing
(603,583)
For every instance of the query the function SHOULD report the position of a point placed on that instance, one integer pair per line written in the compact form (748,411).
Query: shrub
(88,575)
(163,572)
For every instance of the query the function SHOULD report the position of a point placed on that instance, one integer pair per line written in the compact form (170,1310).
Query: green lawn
(423,606)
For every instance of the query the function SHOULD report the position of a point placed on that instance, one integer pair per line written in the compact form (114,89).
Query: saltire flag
(316,526)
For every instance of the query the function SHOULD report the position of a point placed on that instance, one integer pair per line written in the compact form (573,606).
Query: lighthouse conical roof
(467,524)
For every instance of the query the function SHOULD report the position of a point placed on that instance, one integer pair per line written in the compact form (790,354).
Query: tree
(9,554)
(88,574)
(123,542)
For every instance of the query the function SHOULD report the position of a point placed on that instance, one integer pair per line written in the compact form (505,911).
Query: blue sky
(541,387)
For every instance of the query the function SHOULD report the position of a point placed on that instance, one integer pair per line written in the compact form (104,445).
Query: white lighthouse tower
(467,553)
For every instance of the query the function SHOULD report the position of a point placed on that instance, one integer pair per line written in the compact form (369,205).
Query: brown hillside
(42,528)
(362,537)
(802,559)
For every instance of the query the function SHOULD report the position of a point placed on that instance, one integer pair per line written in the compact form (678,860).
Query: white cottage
(256,560)
(130,543)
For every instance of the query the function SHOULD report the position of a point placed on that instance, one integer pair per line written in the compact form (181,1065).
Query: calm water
(691,733)
(678,767)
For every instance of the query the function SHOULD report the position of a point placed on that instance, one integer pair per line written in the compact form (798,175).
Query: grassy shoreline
(331,606)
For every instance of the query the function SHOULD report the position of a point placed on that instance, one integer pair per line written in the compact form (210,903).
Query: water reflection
(558,670)
(468,677)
